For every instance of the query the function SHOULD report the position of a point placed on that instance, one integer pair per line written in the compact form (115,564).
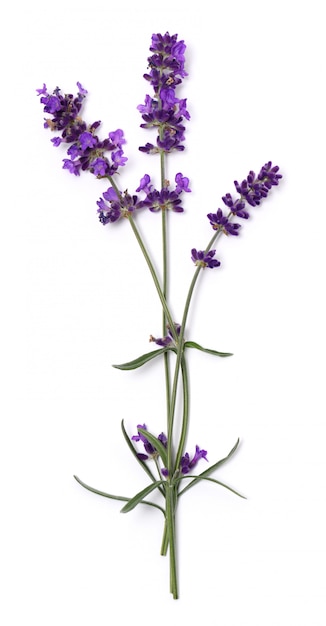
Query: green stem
(165,540)
(170,522)
(152,271)
(185,417)
(180,351)
(184,429)
(165,293)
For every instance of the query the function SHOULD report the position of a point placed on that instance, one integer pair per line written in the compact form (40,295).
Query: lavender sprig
(165,114)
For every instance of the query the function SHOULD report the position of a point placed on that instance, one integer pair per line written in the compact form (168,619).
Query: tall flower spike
(86,150)
(252,190)
(164,111)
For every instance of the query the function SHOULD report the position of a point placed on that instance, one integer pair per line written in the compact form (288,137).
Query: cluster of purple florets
(252,190)
(86,151)
(113,205)
(186,464)
(149,448)
(164,111)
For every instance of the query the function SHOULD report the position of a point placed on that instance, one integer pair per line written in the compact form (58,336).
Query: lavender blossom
(204,259)
(149,448)
(220,222)
(182,183)
(163,200)
(253,189)
(166,199)
(168,339)
(186,464)
(237,207)
(164,111)
(145,184)
(86,150)
(114,205)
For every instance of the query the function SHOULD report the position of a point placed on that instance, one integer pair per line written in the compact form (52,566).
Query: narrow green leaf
(108,495)
(211,469)
(213,480)
(139,497)
(158,445)
(193,344)
(141,360)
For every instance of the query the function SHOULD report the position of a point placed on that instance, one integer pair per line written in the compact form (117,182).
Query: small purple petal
(117,137)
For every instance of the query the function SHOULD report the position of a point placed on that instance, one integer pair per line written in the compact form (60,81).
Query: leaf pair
(148,356)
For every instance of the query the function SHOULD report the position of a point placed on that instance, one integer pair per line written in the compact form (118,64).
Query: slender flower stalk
(164,457)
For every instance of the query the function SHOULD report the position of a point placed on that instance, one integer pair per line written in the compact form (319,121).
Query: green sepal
(158,445)
(139,497)
(112,497)
(213,480)
(193,344)
(141,360)
(210,469)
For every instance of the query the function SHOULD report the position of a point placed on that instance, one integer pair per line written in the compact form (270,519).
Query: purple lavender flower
(140,437)
(86,150)
(164,111)
(182,183)
(220,222)
(81,89)
(168,339)
(145,185)
(237,207)
(163,200)
(117,137)
(56,141)
(116,205)
(99,167)
(149,148)
(149,448)
(118,158)
(42,91)
(204,259)
(163,439)
(147,107)
(186,464)
(87,140)
(73,168)
(253,189)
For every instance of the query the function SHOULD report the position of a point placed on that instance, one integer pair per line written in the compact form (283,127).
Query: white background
(76,297)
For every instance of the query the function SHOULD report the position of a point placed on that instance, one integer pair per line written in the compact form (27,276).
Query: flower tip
(42,91)
(81,89)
